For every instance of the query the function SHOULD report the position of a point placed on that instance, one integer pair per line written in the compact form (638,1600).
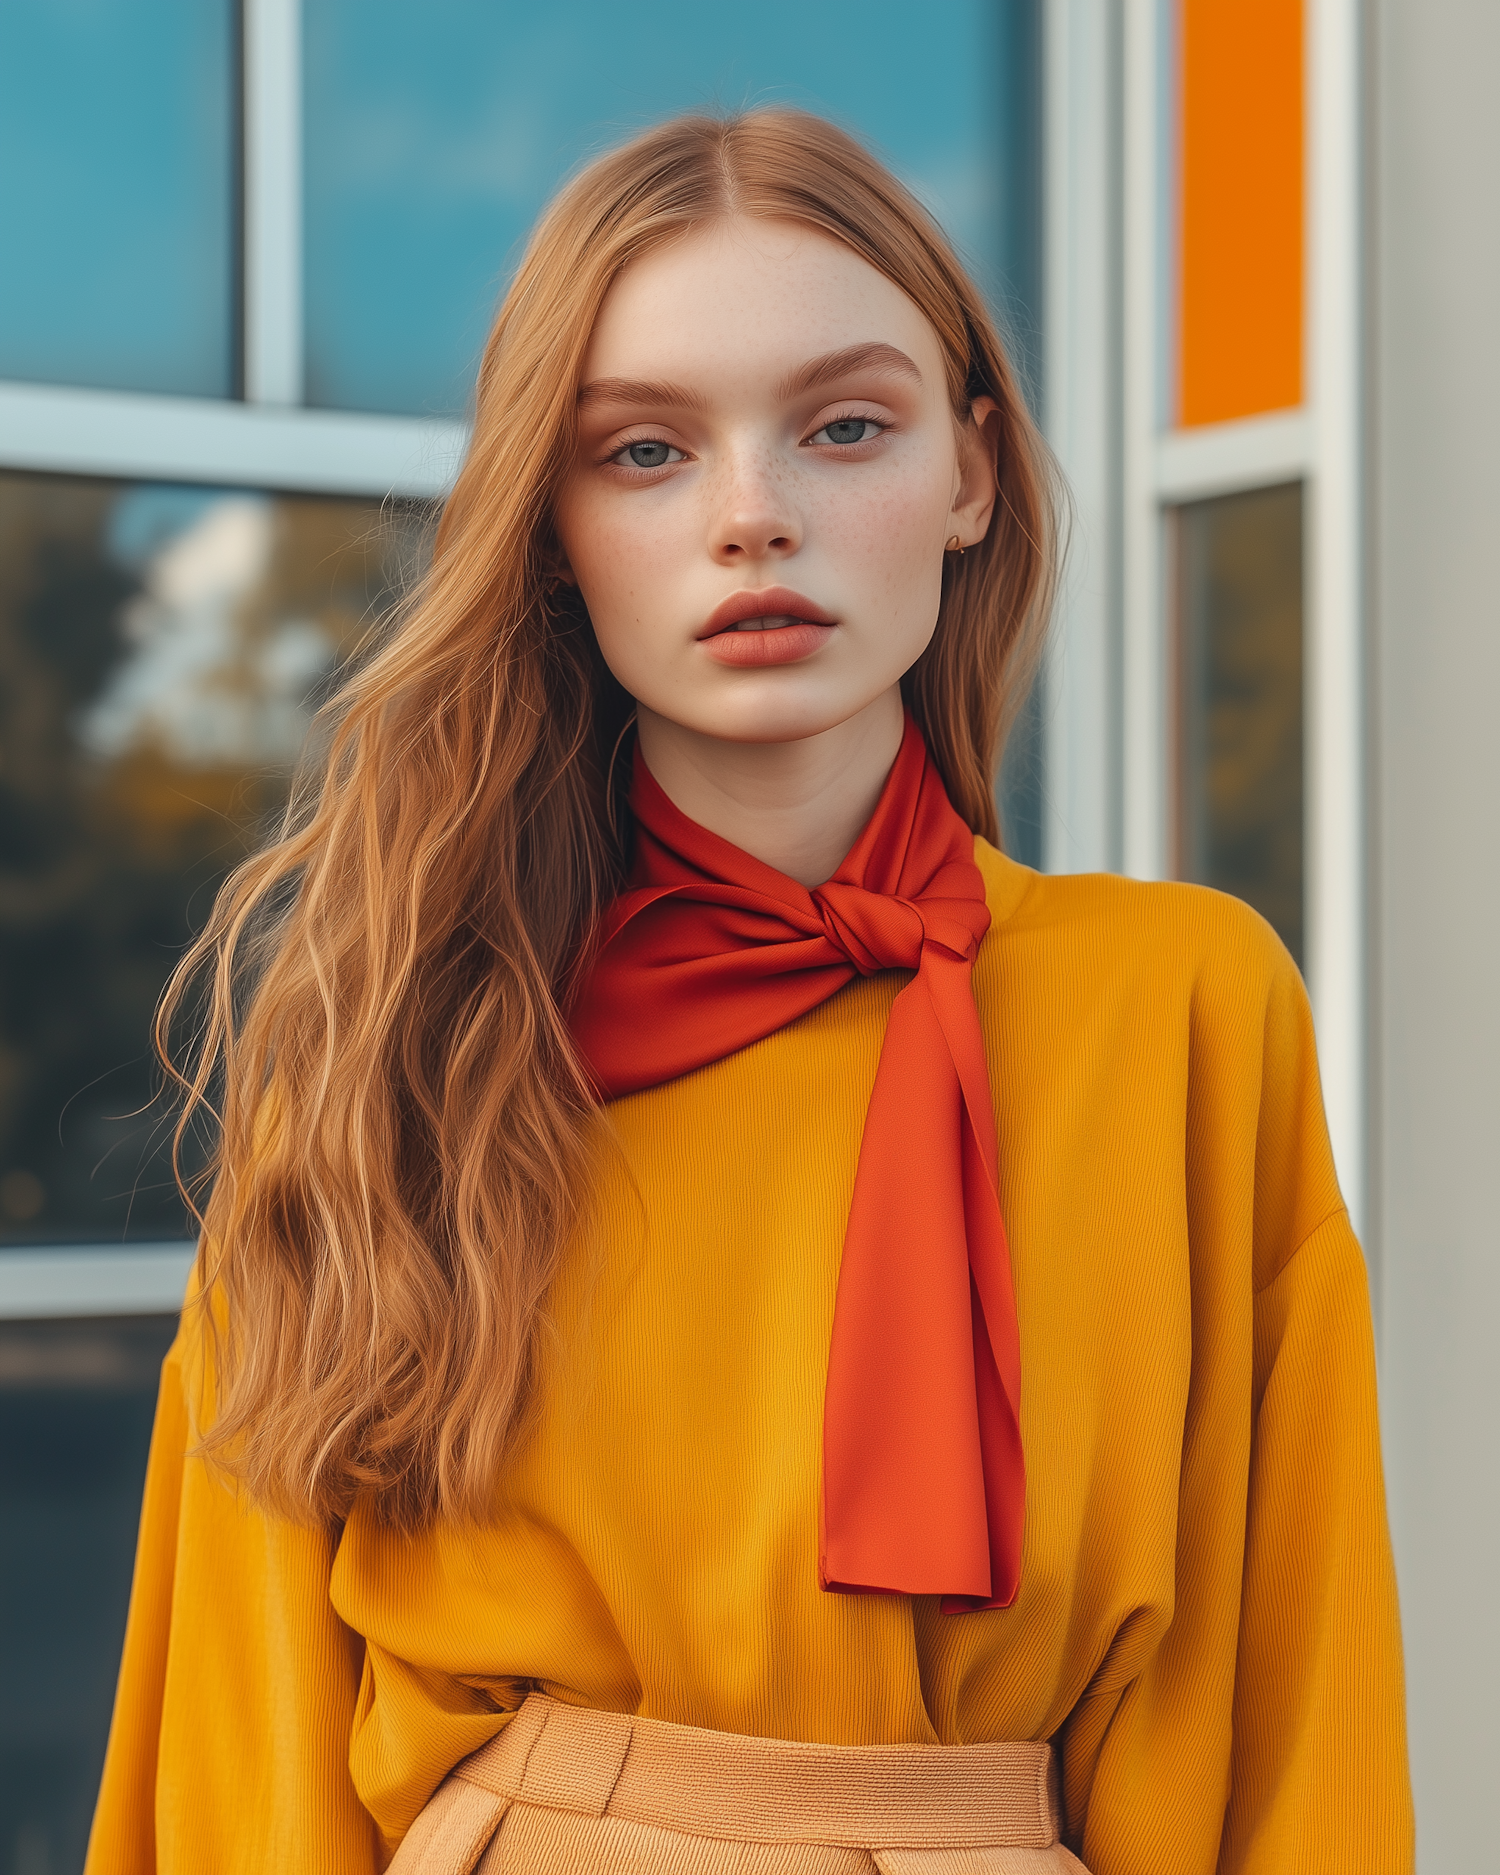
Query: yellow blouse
(1207,1620)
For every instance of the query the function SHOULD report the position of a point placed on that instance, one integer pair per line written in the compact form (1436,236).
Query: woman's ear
(978,454)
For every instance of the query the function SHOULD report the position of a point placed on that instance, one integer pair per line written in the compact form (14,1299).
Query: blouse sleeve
(1266,1733)
(229,1748)
(1319,1775)
(1318,1758)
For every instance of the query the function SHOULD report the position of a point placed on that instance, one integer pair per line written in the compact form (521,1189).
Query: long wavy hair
(402,1133)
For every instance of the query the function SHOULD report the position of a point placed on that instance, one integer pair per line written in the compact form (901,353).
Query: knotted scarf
(708,950)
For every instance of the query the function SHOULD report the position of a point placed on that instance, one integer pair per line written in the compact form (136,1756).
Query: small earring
(953,546)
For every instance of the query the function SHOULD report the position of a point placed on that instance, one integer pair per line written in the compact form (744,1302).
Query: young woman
(738,1328)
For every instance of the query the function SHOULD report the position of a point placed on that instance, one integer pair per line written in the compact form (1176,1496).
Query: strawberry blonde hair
(402,1130)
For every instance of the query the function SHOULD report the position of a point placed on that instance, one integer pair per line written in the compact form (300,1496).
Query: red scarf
(707,950)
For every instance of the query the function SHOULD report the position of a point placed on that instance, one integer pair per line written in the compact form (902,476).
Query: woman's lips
(769,625)
(773,643)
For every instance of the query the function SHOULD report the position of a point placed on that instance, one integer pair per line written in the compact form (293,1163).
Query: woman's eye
(649,455)
(848,430)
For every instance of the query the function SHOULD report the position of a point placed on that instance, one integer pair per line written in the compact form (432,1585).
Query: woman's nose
(754,518)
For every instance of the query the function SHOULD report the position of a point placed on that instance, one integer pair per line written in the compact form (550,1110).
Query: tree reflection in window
(161,652)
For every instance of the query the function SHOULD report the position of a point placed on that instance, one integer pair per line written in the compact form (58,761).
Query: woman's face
(768,470)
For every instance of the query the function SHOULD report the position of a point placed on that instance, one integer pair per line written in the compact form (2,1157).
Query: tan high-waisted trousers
(566,1791)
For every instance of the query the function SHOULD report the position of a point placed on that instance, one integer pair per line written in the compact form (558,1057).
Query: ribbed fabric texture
(1207,1620)
(570,1791)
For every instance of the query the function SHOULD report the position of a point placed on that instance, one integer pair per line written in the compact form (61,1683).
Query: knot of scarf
(877,931)
(707,950)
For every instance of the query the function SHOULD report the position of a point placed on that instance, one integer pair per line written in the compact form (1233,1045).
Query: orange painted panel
(1240,208)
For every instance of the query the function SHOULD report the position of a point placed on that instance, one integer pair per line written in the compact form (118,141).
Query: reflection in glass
(1241,763)
(434,135)
(1022,779)
(76,1402)
(117,210)
(160,651)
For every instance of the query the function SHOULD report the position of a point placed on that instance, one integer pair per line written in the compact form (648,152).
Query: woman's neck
(798,806)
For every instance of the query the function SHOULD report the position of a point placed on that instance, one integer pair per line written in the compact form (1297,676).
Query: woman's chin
(777,706)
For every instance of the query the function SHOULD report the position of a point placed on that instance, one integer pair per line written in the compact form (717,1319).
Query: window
(1203,307)
(161,649)
(76,1405)
(434,135)
(117,215)
(1239,660)
(162,635)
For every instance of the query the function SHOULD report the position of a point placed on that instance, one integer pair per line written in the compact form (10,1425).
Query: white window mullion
(272,158)
(1081,830)
(61,431)
(1228,458)
(1146,758)
(116,1279)
(1335,665)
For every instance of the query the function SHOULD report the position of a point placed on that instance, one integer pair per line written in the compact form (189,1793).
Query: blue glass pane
(434,134)
(117,207)
(76,1403)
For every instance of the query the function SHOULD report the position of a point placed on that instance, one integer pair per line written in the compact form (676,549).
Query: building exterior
(1244,252)
(1272,281)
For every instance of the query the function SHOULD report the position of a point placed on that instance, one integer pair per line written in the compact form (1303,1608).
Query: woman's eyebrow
(878,357)
(640,391)
(885,360)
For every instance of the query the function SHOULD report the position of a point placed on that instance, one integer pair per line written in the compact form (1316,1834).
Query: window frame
(264,439)
(50,1282)
(1108,711)
(1110,756)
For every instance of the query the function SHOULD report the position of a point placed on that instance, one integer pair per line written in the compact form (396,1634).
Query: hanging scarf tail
(923,1487)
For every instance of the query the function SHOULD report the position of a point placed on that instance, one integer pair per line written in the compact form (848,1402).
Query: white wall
(1435,562)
